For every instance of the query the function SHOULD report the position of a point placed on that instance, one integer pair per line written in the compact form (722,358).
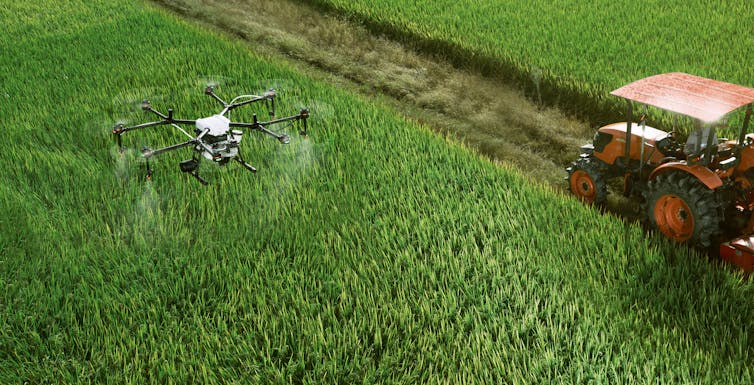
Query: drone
(216,138)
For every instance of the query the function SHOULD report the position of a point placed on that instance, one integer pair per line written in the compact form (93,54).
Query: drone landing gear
(145,150)
(246,165)
(200,179)
(191,166)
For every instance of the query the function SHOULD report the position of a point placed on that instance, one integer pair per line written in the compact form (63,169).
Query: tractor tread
(703,202)
(595,168)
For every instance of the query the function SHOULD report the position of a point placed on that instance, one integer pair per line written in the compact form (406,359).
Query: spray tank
(222,141)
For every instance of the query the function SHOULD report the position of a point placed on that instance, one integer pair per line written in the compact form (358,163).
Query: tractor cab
(699,191)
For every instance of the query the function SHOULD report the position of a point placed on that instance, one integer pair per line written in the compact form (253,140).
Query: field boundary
(552,90)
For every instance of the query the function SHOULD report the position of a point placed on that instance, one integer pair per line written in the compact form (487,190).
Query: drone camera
(189,165)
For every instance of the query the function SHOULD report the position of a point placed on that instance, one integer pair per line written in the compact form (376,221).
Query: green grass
(374,251)
(572,52)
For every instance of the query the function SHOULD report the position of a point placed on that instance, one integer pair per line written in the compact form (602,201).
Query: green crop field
(373,251)
(574,52)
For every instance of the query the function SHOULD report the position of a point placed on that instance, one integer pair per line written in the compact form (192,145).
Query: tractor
(699,191)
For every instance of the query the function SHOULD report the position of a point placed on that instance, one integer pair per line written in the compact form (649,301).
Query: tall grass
(373,251)
(572,53)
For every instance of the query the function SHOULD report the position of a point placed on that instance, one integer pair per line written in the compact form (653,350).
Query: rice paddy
(374,251)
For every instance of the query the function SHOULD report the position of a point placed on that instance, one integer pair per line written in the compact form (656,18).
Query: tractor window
(697,141)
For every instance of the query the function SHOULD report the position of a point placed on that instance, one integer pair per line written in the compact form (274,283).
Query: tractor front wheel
(586,180)
(683,209)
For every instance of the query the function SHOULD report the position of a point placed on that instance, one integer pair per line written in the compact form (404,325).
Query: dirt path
(492,117)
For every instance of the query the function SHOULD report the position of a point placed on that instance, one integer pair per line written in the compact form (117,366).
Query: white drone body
(221,142)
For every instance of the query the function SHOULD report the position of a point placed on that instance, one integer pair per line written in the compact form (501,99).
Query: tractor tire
(586,180)
(683,209)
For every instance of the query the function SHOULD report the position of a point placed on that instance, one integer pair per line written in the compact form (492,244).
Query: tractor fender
(703,174)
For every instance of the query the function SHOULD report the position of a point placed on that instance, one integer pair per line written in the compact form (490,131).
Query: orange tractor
(700,191)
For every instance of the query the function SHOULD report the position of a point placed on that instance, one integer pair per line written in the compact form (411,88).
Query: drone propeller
(216,79)
(320,111)
(315,112)
(130,102)
(210,80)
(119,124)
(117,129)
(280,84)
(270,95)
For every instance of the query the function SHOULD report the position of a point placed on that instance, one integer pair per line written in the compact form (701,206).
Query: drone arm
(212,94)
(182,121)
(210,90)
(302,115)
(147,153)
(120,130)
(259,126)
(267,96)
(281,137)
(168,119)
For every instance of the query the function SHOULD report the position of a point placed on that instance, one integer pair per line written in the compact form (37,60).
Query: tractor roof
(701,98)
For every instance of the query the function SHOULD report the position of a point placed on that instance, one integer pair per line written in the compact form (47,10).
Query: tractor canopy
(697,97)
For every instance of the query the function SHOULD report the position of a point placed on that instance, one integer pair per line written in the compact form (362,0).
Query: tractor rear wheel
(683,209)
(586,180)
